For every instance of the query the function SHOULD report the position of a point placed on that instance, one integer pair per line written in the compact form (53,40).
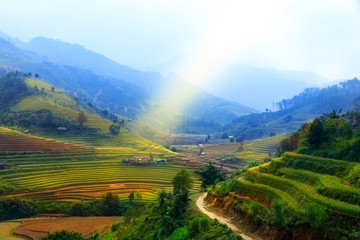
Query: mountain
(251,86)
(293,112)
(123,90)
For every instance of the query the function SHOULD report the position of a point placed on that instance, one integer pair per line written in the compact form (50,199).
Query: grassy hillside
(289,193)
(81,162)
(295,192)
(294,112)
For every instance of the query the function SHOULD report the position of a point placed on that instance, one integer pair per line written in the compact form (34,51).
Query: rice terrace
(179,120)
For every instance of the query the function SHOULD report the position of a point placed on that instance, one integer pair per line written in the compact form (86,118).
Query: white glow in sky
(322,36)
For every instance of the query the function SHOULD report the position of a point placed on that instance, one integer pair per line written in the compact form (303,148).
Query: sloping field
(54,170)
(86,179)
(299,180)
(38,103)
(231,155)
(14,141)
(258,149)
(7,231)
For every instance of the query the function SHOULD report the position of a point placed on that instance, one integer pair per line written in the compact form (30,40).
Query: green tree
(115,129)
(81,119)
(316,133)
(182,182)
(210,174)
(111,205)
(131,196)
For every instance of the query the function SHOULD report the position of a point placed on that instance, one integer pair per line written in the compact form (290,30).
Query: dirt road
(201,205)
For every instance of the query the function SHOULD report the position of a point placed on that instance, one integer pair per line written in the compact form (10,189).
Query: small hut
(27,132)
(140,160)
(61,129)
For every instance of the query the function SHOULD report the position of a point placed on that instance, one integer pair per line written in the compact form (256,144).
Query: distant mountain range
(100,80)
(295,111)
(252,86)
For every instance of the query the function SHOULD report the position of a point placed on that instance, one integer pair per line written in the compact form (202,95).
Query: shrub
(315,215)
(63,235)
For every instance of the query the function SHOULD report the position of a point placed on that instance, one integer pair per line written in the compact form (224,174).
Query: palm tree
(333,115)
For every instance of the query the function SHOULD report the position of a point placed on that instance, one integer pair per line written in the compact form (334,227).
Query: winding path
(200,204)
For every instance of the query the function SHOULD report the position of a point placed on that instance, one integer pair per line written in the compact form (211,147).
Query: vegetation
(294,112)
(329,136)
(170,218)
(12,88)
(210,175)
(63,235)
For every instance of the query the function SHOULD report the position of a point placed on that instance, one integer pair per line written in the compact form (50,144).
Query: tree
(333,115)
(131,196)
(115,129)
(111,205)
(316,133)
(182,182)
(81,119)
(210,174)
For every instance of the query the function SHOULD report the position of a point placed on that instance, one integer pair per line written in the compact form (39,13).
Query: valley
(250,131)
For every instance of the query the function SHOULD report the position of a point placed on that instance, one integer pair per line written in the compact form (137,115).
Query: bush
(180,234)
(13,208)
(80,209)
(315,215)
(63,235)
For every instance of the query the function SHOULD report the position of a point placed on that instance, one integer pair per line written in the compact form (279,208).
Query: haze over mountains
(131,93)
(253,86)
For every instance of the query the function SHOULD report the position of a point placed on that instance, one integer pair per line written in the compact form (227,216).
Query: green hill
(294,112)
(316,190)
(131,93)
(81,162)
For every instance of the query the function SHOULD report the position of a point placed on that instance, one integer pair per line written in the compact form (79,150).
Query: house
(2,165)
(61,129)
(140,160)
(27,132)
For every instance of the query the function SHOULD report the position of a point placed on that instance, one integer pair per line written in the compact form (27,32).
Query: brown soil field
(37,228)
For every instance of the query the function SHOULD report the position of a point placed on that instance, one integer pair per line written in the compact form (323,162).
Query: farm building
(27,132)
(140,160)
(61,129)
(2,165)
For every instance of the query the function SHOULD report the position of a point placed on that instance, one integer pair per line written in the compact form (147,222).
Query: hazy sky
(322,36)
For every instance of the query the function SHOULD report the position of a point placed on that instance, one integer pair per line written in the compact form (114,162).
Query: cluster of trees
(326,99)
(107,205)
(210,175)
(42,118)
(171,148)
(116,126)
(332,135)
(13,88)
(169,218)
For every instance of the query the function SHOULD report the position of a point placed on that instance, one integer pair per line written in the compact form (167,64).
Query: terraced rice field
(229,155)
(54,170)
(15,141)
(258,149)
(281,179)
(70,181)
(38,103)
